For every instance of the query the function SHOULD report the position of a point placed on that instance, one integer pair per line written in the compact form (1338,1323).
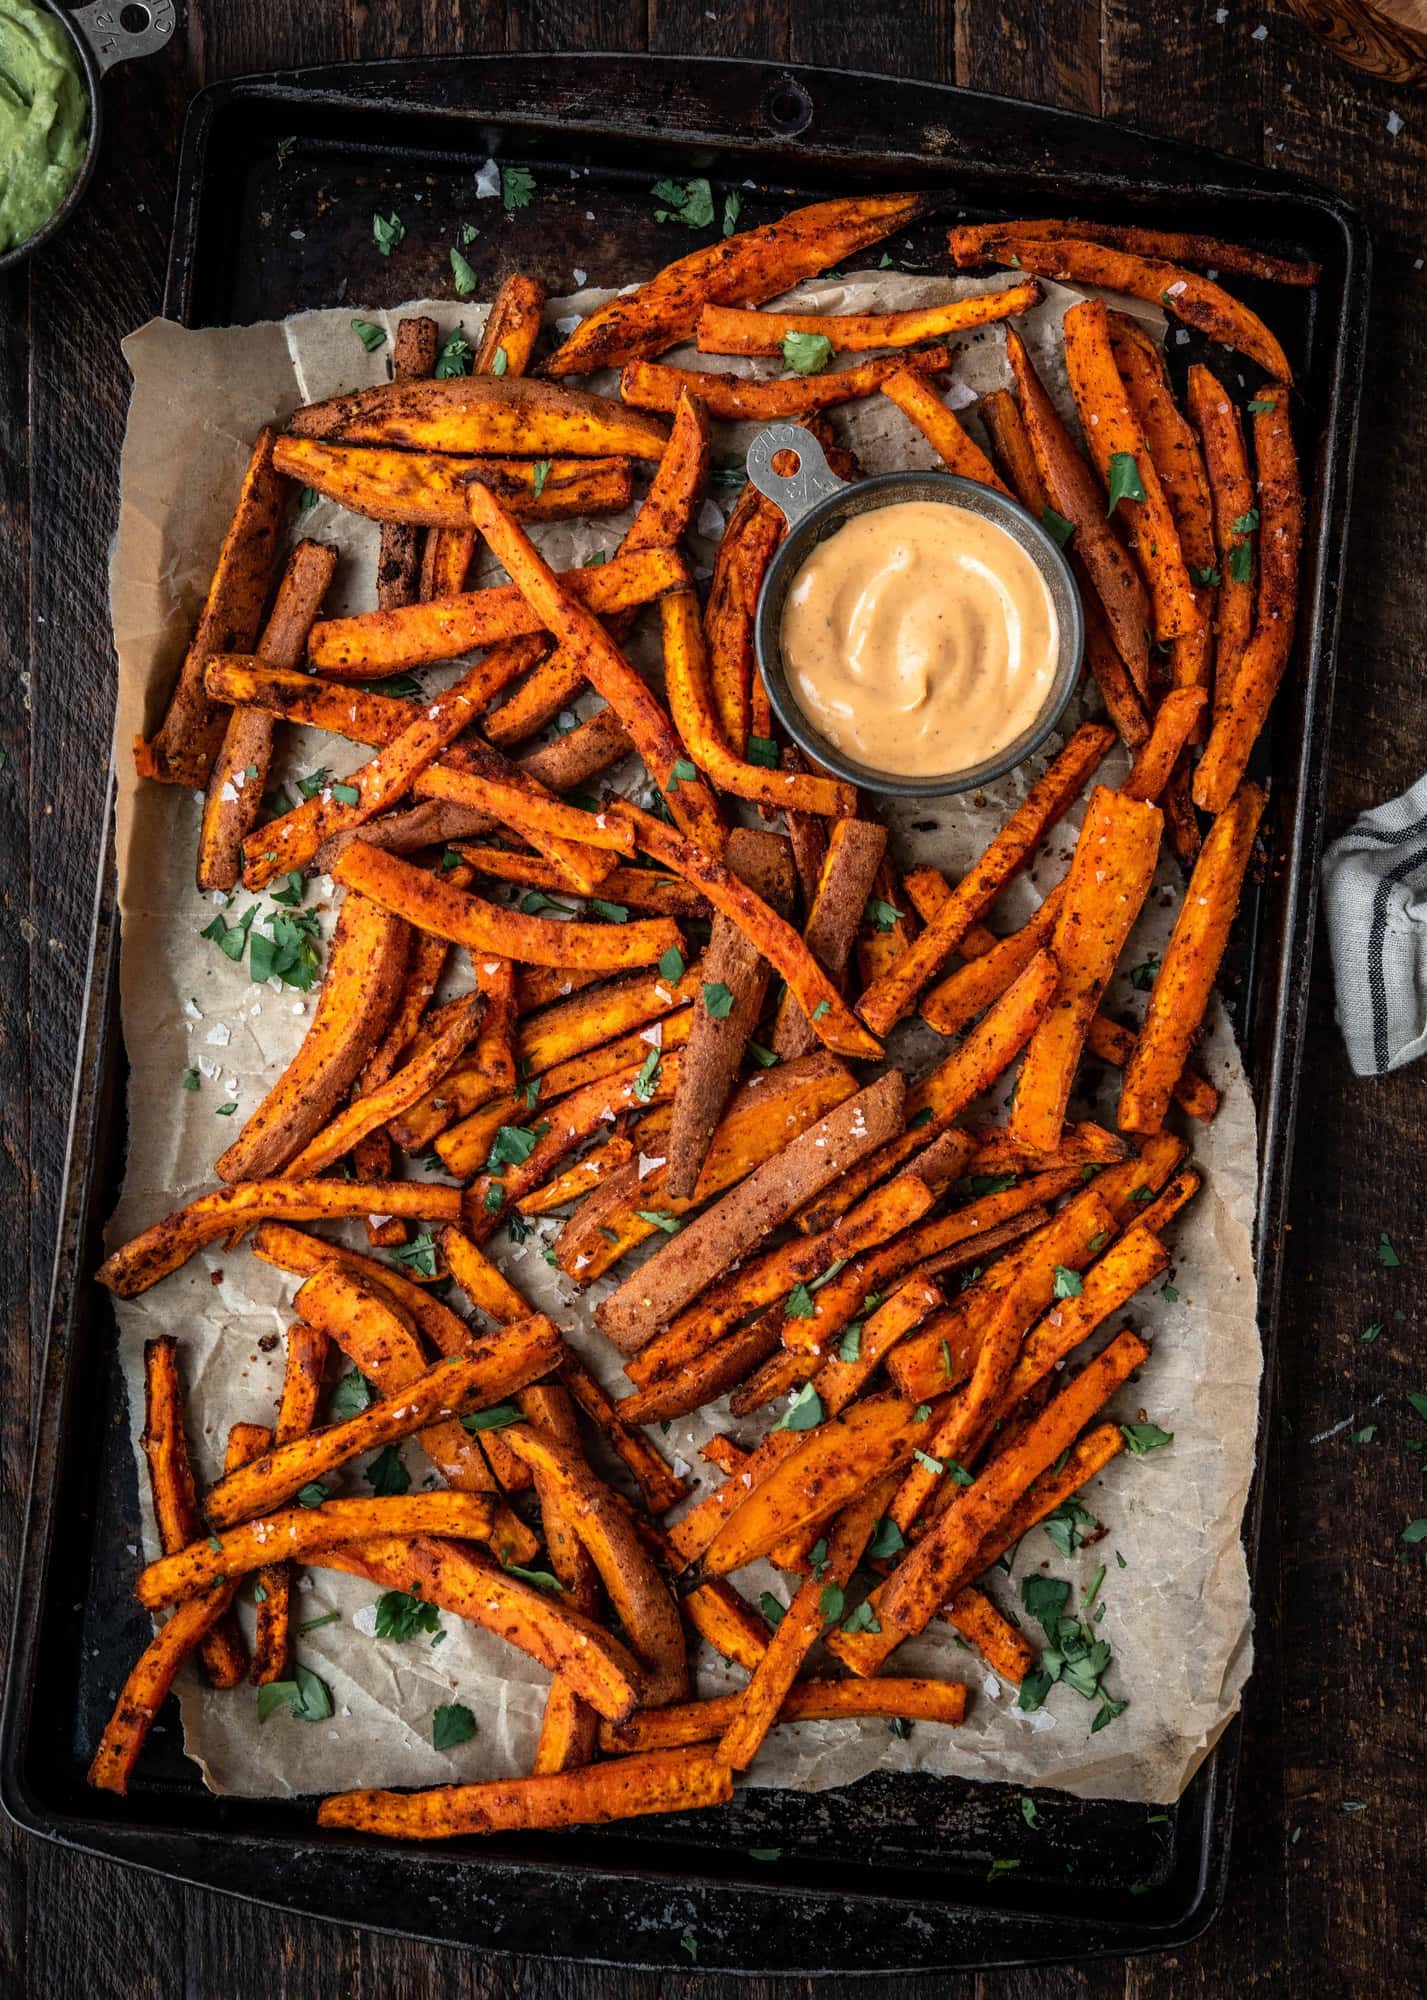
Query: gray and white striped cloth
(1375,905)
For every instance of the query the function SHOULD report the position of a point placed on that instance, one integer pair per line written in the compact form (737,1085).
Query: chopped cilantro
(387,232)
(1068,1284)
(1386,1255)
(1056,526)
(764,1058)
(455,359)
(683,773)
(1125,481)
(305,1696)
(773,1612)
(511,1147)
(372,337)
(647,1080)
(386,1474)
(190,1079)
(732,206)
(401,1616)
(831,1603)
(806,353)
(419,1255)
(718,999)
(671,965)
(887,1539)
(464,276)
(800,1303)
(862,1619)
(517,188)
(497,1418)
(351,1395)
(763,751)
(691,204)
(312,1494)
(849,1348)
(661,1219)
(881,915)
(451,1723)
(804,1413)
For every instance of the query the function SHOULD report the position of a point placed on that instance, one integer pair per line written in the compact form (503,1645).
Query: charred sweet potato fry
(662,1781)
(744,269)
(372,644)
(365,966)
(975,244)
(297,1410)
(1073,491)
(413,357)
(1185,979)
(691,705)
(654,385)
(911,1596)
(736,330)
(1118,448)
(484,414)
(463,1580)
(855,851)
(491,1367)
(733,981)
(182,750)
(691,1260)
(175,1496)
(411,490)
(937,421)
(1014,453)
(661,523)
(1226,462)
(152,1676)
(239,776)
(432,904)
(1280,508)
(1105,888)
(297,1532)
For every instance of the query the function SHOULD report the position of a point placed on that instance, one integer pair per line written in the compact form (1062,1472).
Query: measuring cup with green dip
(50,65)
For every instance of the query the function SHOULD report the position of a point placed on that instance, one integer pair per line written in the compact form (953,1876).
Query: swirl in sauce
(920,638)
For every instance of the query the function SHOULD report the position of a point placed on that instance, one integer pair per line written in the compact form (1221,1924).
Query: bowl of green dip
(50,65)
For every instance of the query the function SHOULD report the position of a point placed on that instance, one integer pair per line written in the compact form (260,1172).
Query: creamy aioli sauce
(920,638)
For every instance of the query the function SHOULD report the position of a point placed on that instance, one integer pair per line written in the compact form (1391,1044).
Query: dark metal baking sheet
(279,179)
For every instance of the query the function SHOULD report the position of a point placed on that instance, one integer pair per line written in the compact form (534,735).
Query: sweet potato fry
(1195,300)
(604,666)
(564,1189)
(1113,678)
(1174,453)
(1110,1042)
(1012,449)
(763,1281)
(806,1701)
(910,1597)
(297,1532)
(765,1113)
(410,490)
(734,971)
(175,1496)
(817,1598)
(975,244)
(661,1487)
(432,1055)
(239,776)
(842,1377)
(642,1602)
(372,1152)
(365,966)
(691,1260)
(463,1580)
(297,1251)
(744,269)
(832,1020)
(569,1732)
(736,330)
(483,414)
(292,840)
(1186,977)
(150,1679)
(372,644)
(182,749)
(568,1728)
(1280,497)
(414,354)
(829,1466)
(753,532)
(1072,490)
(491,1367)
(707,1375)
(632,888)
(691,704)
(296,696)
(727,1622)
(527,812)
(1118,446)
(1132,1261)
(1087,1456)
(978,1621)
(890,998)
(854,854)
(653,385)
(663,1781)
(918,400)
(661,523)
(1109,877)
(297,1411)
(570,1121)
(432,904)
(1221,434)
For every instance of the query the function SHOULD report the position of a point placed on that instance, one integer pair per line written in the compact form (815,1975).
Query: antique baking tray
(279,179)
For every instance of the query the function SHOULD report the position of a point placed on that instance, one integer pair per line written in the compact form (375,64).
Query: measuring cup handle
(111,42)
(799,492)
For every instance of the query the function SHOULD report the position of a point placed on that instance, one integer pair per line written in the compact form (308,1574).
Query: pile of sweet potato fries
(812,1218)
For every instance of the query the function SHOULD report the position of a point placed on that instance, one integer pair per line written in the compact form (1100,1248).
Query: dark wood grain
(1326,1884)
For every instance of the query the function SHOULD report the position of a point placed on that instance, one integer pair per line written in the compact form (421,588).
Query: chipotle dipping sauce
(920,638)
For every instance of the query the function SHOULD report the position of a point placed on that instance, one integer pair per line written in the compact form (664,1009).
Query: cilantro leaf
(372,337)
(401,1616)
(1056,526)
(732,206)
(763,751)
(831,1603)
(351,1395)
(312,1494)
(464,276)
(661,1219)
(511,1147)
(806,353)
(387,232)
(1386,1255)
(386,1473)
(451,1723)
(683,773)
(304,1696)
(718,999)
(804,1413)
(671,965)
(496,1418)
(517,188)
(764,1058)
(849,1348)
(773,1612)
(881,915)
(419,1255)
(646,1082)
(540,1578)
(455,358)
(1125,481)
(863,1619)
(691,204)
(800,1303)
(887,1539)
(1241,562)
(1068,1284)
(1145,1437)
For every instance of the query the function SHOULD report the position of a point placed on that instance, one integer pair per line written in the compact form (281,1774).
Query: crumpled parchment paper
(1175,1595)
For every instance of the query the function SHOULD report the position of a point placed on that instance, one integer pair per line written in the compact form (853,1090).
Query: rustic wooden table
(1326,1889)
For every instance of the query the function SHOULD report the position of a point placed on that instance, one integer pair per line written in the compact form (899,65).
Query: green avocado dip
(44,119)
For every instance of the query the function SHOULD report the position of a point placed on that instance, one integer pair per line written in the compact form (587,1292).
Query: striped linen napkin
(1375,901)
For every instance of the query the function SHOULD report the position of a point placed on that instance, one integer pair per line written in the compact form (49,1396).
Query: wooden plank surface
(1326,1889)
